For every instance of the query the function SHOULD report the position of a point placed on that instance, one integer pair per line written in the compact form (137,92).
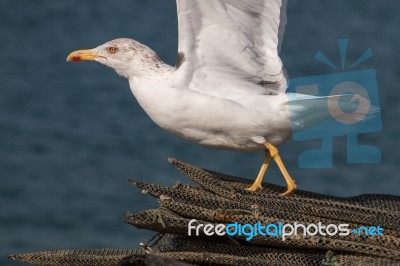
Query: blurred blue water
(72,134)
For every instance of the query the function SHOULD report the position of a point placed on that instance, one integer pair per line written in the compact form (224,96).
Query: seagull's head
(123,55)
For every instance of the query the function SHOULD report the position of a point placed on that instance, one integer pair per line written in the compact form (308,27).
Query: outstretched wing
(231,46)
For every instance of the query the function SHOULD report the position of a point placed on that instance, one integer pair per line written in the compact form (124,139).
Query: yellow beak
(82,55)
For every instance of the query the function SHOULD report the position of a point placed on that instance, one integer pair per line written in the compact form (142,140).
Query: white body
(243,123)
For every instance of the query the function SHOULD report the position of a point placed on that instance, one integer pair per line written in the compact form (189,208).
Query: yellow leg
(257,183)
(290,182)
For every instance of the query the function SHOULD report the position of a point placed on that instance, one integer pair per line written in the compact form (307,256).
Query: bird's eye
(112,50)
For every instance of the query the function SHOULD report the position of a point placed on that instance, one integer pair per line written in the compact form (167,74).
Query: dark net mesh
(222,199)
(100,257)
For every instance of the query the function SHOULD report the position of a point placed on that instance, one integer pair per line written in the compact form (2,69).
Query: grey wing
(231,46)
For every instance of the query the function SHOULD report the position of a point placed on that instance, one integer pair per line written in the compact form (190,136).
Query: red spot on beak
(76,58)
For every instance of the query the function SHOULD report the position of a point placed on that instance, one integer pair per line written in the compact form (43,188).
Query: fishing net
(222,199)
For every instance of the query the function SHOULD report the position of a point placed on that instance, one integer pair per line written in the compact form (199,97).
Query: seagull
(228,87)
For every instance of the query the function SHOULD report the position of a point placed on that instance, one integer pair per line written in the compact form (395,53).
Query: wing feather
(231,46)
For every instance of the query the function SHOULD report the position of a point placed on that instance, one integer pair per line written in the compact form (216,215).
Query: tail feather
(307,111)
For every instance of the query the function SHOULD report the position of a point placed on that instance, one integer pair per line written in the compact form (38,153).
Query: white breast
(212,121)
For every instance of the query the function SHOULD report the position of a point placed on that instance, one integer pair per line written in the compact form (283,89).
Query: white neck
(148,68)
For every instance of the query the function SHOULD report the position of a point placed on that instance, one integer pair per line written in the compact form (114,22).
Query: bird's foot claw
(254,188)
(290,191)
